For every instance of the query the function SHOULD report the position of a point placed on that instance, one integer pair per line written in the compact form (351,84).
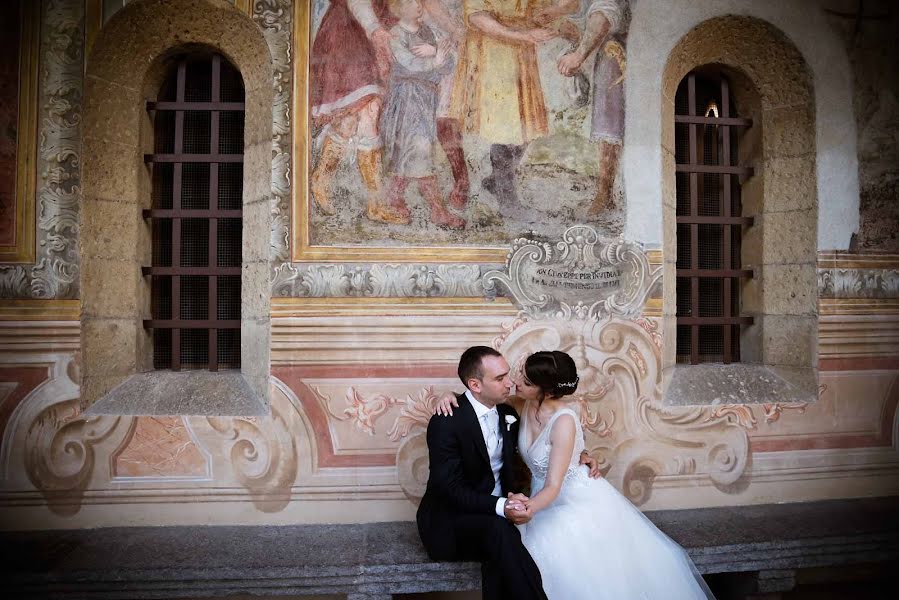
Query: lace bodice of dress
(536,456)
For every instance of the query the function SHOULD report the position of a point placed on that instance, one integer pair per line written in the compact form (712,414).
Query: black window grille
(709,220)
(197,185)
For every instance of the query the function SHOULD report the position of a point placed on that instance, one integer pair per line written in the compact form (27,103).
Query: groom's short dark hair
(470,363)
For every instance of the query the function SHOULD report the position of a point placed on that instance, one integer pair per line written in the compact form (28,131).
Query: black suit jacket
(460,479)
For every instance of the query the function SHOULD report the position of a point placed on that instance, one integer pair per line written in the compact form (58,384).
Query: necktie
(491,419)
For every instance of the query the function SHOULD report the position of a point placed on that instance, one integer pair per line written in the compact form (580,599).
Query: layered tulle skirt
(593,544)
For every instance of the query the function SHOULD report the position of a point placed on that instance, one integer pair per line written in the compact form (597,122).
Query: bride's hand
(518,498)
(592,464)
(445,405)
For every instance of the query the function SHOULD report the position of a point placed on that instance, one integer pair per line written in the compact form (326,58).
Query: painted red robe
(343,71)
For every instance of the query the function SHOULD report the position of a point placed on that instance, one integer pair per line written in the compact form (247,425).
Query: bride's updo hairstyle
(553,372)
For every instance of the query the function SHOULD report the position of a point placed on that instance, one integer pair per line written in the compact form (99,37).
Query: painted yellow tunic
(497,93)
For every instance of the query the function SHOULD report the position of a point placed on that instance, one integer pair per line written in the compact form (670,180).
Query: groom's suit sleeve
(446,471)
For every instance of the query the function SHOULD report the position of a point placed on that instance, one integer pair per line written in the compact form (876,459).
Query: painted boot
(323,174)
(504,159)
(608,165)
(396,196)
(369,162)
(450,136)
(440,216)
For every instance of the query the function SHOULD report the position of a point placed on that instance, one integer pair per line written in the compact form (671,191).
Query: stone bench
(375,561)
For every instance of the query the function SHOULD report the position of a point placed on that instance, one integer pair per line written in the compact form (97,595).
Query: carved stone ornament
(636,438)
(582,276)
(55,272)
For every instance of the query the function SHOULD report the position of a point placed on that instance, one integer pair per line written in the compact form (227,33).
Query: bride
(582,525)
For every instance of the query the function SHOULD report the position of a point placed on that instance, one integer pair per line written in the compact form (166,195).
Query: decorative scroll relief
(581,276)
(274,18)
(55,274)
(377,281)
(858,283)
(635,437)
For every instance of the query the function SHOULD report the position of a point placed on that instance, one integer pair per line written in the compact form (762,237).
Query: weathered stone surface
(255,342)
(256,238)
(740,383)
(113,167)
(144,31)
(255,292)
(669,181)
(387,558)
(110,288)
(753,46)
(116,339)
(257,127)
(789,131)
(790,238)
(96,386)
(669,340)
(668,123)
(225,393)
(105,105)
(790,289)
(790,340)
(109,230)
(790,183)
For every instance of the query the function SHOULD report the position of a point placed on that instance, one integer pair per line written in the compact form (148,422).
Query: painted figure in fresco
(497,93)
(605,29)
(349,60)
(446,16)
(570,515)
(409,120)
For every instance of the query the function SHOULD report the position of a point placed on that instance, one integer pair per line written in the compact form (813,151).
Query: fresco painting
(464,122)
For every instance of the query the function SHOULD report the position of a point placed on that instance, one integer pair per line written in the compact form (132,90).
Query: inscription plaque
(582,275)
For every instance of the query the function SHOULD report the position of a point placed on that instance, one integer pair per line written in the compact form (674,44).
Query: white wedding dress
(591,543)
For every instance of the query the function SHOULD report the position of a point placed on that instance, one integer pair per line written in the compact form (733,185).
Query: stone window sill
(740,383)
(171,393)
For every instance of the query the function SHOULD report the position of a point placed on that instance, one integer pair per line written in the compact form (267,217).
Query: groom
(465,513)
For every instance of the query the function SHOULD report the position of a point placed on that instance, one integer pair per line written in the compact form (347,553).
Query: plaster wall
(360,350)
(656,28)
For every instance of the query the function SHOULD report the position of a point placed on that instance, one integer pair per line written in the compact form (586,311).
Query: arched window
(709,219)
(197,189)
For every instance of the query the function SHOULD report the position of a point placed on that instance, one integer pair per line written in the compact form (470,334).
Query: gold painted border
(23,250)
(301,249)
(858,306)
(93,22)
(337,307)
(653,308)
(853,260)
(40,310)
(284,308)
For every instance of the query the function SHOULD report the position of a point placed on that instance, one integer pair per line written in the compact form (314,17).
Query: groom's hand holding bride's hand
(517,510)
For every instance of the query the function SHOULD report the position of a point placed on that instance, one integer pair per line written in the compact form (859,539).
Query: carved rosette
(55,273)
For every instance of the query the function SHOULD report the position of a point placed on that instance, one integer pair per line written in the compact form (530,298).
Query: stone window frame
(773,84)
(126,66)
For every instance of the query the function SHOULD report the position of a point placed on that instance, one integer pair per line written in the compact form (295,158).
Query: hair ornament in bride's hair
(569,384)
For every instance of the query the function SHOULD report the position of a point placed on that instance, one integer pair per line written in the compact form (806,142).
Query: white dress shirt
(488,419)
